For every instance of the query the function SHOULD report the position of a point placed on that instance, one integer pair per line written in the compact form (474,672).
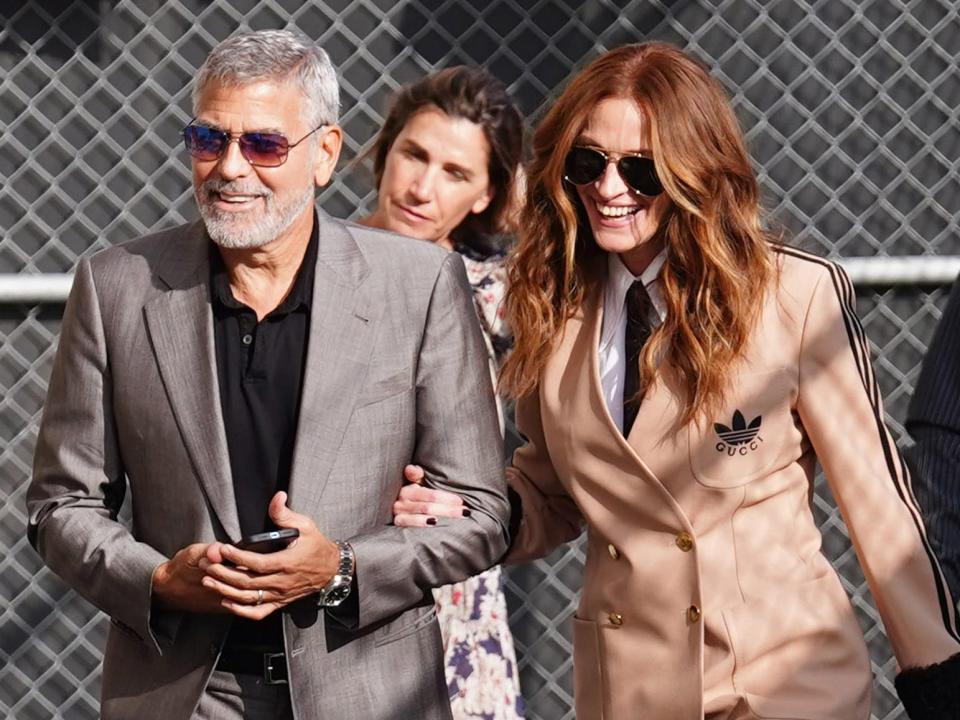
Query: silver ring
(259,597)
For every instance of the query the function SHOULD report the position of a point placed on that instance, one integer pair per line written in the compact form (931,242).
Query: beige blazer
(705,591)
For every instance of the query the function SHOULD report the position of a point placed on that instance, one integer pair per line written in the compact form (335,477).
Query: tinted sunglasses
(260,149)
(585,165)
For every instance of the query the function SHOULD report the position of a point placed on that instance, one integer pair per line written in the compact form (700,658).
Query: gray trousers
(243,697)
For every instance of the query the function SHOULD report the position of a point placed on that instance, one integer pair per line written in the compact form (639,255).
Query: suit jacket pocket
(749,435)
(126,630)
(588,676)
(385,387)
(410,622)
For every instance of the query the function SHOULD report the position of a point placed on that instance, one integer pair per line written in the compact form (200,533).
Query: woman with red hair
(678,374)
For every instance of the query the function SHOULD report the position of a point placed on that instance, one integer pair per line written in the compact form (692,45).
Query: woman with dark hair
(678,375)
(446,162)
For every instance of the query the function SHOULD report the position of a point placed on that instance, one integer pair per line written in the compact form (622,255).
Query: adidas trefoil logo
(740,438)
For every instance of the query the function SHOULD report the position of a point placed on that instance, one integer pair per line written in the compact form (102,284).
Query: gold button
(685,542)
(614,553)
(693,613)
(616,619)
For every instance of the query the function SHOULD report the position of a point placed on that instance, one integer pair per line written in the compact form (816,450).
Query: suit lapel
(343,320)
(180,323)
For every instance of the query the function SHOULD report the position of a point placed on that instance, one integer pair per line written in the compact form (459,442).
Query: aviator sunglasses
(258,148)
(585,165)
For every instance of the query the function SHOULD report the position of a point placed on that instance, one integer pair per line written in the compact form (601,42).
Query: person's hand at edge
(419,506)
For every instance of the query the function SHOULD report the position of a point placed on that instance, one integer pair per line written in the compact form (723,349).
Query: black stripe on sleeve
(892,456)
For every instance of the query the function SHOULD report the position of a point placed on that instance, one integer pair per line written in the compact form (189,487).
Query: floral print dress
(481,666)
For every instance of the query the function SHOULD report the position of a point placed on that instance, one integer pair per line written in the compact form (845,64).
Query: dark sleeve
(933,422)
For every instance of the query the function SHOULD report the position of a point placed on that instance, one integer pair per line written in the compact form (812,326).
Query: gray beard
(246,235)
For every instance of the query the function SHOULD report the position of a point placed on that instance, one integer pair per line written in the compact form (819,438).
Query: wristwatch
(337,590)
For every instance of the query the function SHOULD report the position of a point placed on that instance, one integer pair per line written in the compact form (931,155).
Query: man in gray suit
(266,368)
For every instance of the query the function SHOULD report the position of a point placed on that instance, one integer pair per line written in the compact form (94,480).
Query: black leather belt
(271,666)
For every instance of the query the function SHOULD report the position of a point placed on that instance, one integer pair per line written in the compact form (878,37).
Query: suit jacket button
(685,541)
(615,619)
(614,553)
(693,613)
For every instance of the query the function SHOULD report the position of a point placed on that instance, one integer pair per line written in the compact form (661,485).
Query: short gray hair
(276,55)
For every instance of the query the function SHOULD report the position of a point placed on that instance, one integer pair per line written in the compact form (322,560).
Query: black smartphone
(270,541)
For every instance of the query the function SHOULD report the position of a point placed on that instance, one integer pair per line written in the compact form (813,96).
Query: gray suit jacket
(396,372)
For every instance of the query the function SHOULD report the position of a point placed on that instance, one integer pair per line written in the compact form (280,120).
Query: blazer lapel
(654,442)
(600,430)
(180,323)
(343,319)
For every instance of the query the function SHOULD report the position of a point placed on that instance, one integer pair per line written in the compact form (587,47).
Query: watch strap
(337,589)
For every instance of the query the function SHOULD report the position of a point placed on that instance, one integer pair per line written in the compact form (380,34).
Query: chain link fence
(850,108)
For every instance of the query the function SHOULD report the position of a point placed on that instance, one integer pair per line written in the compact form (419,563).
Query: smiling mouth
(617,211)
(235,199)
(233,194)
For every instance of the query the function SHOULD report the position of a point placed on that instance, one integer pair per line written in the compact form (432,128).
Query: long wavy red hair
(718,258)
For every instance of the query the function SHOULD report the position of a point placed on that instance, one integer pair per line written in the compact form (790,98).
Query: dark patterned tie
(638,330)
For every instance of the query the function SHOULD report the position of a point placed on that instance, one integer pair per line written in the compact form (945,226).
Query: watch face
(336,595)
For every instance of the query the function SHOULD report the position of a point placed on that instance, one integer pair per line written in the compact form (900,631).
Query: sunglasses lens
(641,174)
(584,165)
(204,143)
(264,149)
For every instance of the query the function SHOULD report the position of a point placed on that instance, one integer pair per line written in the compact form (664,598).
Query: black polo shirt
(260,373)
